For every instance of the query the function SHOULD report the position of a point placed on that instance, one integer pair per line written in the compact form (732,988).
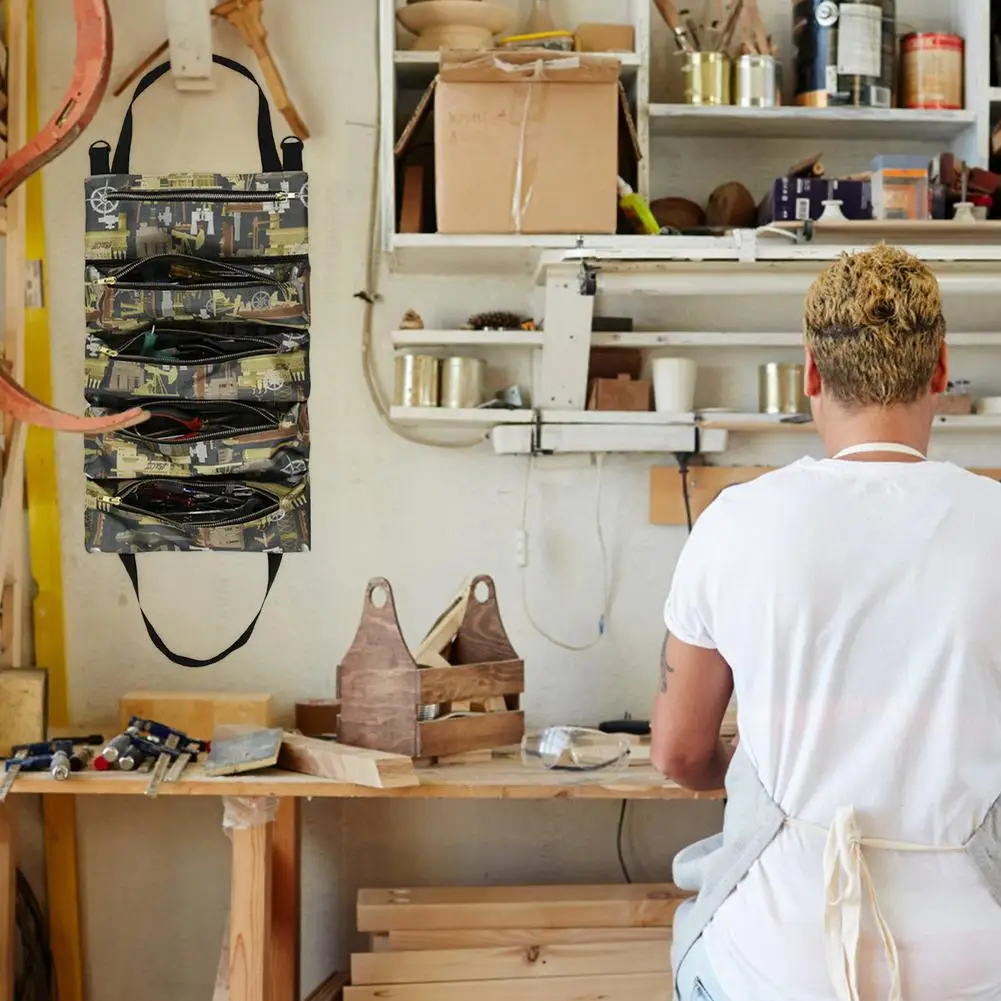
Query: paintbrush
(756,27)
(731,26)
(670,15)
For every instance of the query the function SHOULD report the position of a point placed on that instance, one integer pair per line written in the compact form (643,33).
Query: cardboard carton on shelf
(621,394)
(527,142)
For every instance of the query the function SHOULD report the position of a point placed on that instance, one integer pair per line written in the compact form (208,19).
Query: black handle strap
(270,160)
(132,569)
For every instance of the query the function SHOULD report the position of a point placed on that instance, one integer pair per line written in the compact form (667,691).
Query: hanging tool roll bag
(196,292)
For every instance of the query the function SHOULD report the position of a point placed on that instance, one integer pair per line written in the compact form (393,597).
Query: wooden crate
(540,943)
(382,689)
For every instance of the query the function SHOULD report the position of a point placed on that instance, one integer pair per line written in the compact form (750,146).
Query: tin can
(780,389)
(932,71)
(416,381)
(707,78)
(754,82)
(462,382)
(846,52)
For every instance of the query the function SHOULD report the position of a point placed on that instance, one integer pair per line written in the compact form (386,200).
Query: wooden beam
(8,872)
(250,913)
(329,760)
(626,987)
(198,713)
(63,894)
(410,940)
(510,962)
(286,893)
(464,907)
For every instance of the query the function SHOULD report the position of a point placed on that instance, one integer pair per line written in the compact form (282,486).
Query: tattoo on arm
(665,668)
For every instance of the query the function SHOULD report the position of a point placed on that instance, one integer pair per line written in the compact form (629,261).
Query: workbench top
(502,778)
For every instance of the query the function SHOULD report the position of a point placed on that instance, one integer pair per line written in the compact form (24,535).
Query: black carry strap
(270,160)
(132,569)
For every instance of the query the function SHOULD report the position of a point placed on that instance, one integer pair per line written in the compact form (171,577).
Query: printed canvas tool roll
(196,295)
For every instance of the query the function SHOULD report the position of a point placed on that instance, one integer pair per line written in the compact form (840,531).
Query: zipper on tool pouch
(269,348)
(246,275)
(198,195)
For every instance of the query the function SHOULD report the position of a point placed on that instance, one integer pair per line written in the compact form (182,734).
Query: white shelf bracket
(567,343)
(746,242)
(189,31)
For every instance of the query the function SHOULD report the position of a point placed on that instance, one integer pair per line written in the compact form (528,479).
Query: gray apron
(714,867)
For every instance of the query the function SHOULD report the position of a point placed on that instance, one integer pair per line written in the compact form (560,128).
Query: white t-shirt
(859,607)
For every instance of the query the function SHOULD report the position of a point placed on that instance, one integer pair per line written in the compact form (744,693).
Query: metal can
(462,381)
(754,82)
(845,52)
(707,78)
(416,381)
(781,390)
(932,71)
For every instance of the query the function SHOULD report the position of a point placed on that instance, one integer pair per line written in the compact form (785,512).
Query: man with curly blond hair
(853,604)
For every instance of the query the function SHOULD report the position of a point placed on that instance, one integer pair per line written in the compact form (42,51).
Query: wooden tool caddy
(383,691)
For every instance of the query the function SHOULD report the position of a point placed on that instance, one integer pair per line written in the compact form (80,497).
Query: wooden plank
(705,483)
(480,681)
(8,869)
(469,733)
(248,752)
(286,893)
(453,907)
(23,717)
(624,987)
(375,769)
(510,962)
(332,989)
(412,207)
(250,913)
(412,940)
(198,713)
(63,895)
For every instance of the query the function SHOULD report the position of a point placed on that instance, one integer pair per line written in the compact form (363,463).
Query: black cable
(618,842)
(35,976)
(683,469)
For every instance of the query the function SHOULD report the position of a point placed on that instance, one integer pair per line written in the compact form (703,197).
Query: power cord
(683,469)
(605,582)
(35,975)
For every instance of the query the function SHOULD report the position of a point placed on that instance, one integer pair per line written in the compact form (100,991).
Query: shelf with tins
(755,423)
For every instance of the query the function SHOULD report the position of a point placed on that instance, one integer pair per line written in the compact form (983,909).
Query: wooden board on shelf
(197,713)
(705,483)
(510,962)
(330,760)
(466,907)
(22,707)
(412,940)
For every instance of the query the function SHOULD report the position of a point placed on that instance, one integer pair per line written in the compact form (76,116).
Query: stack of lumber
(533,943)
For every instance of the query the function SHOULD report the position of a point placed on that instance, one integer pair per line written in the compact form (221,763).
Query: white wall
(423,517)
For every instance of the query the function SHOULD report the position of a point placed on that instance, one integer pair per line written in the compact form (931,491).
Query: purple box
(796,199)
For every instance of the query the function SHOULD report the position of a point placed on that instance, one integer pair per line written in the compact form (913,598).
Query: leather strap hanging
(132,569)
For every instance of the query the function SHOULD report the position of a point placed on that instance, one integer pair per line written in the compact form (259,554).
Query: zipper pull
(106,351)
(107,280)
(110,501)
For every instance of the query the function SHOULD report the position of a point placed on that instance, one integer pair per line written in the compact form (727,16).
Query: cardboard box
(606,37)
(796,199)
(527,142)
(620,394)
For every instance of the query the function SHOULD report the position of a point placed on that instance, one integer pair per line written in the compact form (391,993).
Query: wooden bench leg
(62,890)
(250,913)
(8,869)
(286,892)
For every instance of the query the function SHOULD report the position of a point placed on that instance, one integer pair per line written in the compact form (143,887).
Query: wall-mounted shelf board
(511,439)
(445,417)
(681,120)
(417,69)
(467,338)
(733,339)
(768,424)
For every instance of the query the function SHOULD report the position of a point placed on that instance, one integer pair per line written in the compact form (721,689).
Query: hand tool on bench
(50,755)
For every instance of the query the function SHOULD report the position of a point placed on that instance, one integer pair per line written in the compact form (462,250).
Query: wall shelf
(467,338)
(684,120)
(753,423)
(483,417)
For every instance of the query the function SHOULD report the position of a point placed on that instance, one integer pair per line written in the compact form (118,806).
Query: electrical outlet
(521,547)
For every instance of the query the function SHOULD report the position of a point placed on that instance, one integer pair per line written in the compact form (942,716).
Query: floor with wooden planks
(540,943)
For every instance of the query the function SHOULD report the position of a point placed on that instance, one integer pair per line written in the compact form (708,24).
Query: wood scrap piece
(621,987)
(358,765)
(637,904)
(318,717)
(22,708)
(198,713)
(332,989)
(509,962)
(441,634)
(411,940)
(247,752)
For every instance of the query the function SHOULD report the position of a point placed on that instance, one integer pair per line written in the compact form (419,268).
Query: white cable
(778,231)
(605,583)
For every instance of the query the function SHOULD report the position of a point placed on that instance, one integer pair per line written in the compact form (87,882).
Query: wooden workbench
(265,890)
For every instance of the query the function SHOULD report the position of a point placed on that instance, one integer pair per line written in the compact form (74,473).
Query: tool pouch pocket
(170,515)
(250,364)
(186,439)
(177,287)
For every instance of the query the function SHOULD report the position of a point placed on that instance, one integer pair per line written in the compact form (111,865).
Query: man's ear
(811,380)
(940,380)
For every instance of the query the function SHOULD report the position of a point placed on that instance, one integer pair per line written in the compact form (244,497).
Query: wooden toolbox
(540,943)
(388,703)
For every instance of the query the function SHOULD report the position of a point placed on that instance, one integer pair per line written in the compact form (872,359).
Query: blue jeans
(695,980)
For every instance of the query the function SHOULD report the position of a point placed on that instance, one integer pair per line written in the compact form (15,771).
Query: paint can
(754,82)
(416,381)
(707,78)
(845,52)
(932,71)
(780,389)
(462,381)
